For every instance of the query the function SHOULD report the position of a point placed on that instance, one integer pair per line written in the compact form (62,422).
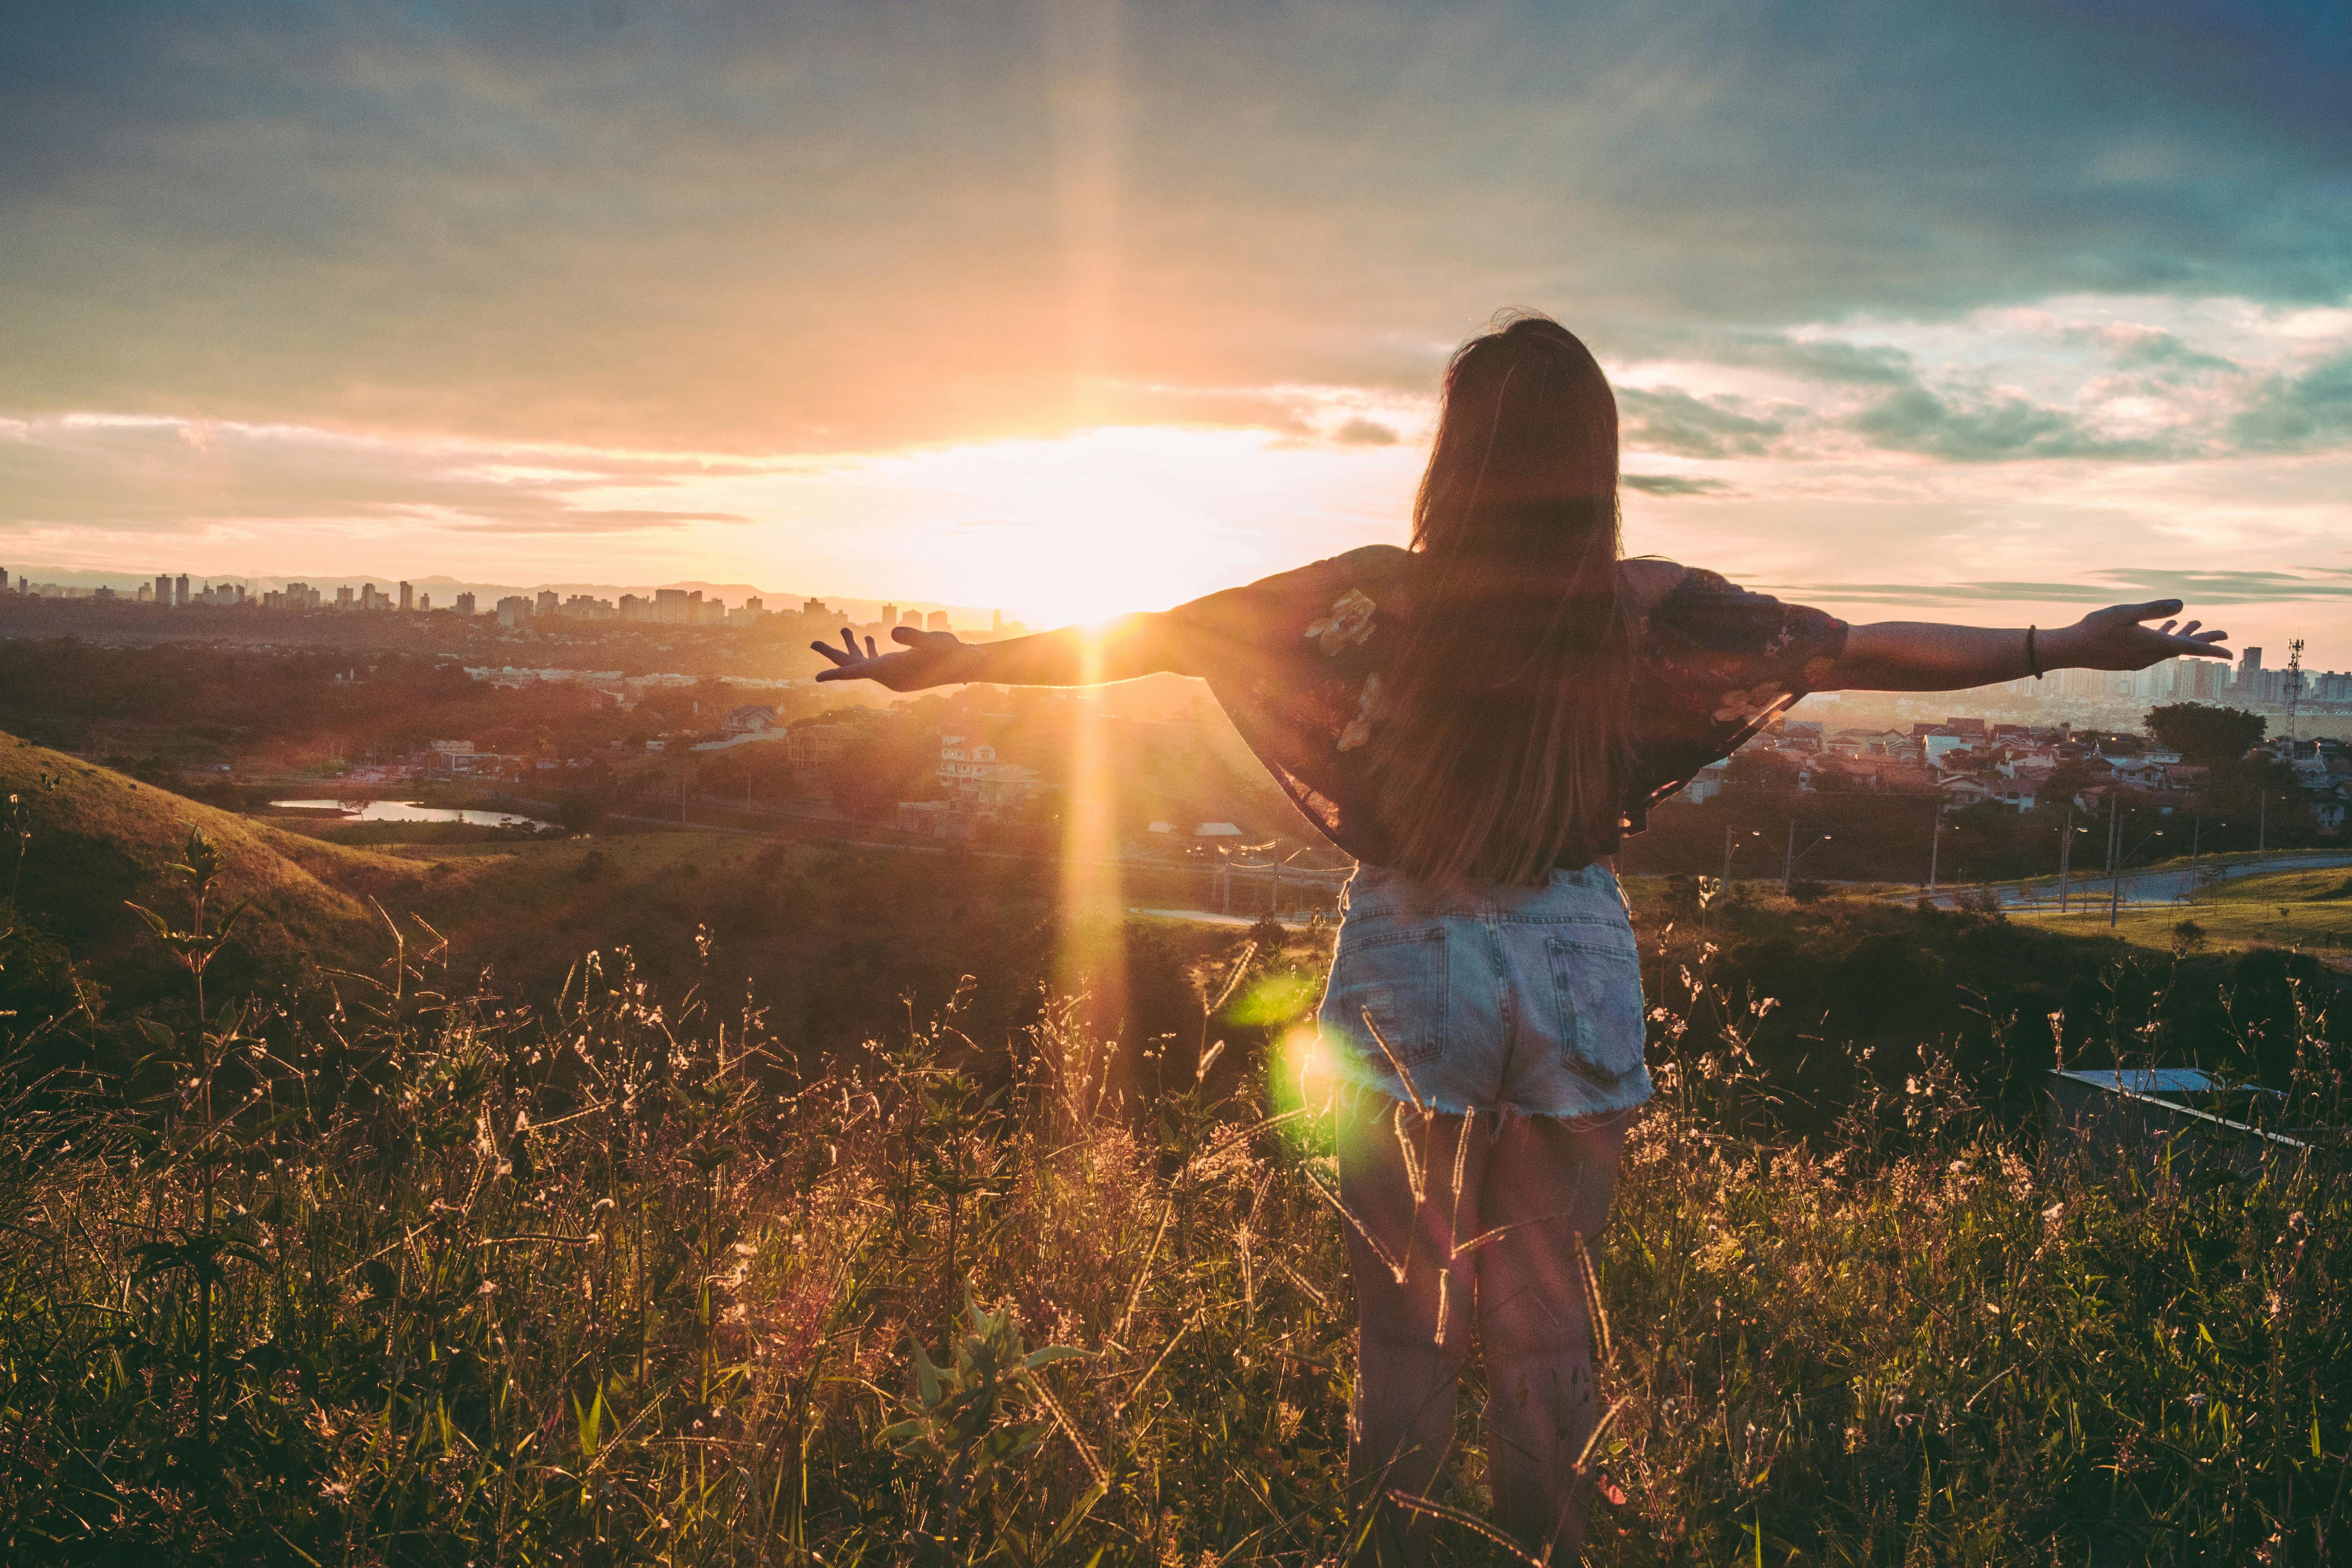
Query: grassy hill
(95,838)
(830,941)
(2305,911)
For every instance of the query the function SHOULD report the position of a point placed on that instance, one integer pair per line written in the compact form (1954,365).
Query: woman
(1480,721)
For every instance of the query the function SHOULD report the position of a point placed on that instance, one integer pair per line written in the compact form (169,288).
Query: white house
(978,779)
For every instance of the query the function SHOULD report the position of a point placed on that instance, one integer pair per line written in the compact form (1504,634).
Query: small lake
(407,811)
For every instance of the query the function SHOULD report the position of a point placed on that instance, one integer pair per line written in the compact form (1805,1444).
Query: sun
(1082,527)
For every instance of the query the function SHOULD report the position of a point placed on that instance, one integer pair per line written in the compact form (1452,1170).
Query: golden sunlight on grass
(1092,960)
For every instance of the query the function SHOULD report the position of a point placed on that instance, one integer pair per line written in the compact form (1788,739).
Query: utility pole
(1789,858)
(2114,859)
(1936,849)
(1727,860)
(2196,848)
(2065,854)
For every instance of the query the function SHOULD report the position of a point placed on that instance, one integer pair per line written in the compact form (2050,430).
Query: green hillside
(95,838)
(2306,911)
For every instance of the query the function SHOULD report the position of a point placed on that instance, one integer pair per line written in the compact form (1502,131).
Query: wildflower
(2196,1402)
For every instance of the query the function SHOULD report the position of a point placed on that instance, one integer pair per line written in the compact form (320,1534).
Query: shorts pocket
(1599,985)
(1400,979)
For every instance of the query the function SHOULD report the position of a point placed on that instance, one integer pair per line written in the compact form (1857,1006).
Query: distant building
(819,744)
(424,604)
(513,611)
(179,591)
(550,601)
(407,598)
(465,604)
(751,719)
(937,621)
(816,607)
(980,780)
(890,616)
(344,598)
(162,588)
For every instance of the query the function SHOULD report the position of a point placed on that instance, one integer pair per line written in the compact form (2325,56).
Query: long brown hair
(1504,741)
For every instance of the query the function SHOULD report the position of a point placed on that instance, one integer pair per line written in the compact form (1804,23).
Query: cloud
(1673,485)
(2299,412)
(1831,360)
(2152,349)
(168,477)
(1365,433)
(2113,585)
(1996,430)
(827,227)
(1668,420)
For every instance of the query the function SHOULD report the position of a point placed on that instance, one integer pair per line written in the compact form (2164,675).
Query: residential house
(979,780)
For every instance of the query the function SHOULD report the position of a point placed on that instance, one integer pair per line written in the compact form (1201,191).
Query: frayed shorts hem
(1359,1075)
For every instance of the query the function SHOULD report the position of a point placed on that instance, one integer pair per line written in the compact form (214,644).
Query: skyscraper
(407,598)
(890,616)
(179,591)
(937,621)
(163,589)
(465,604)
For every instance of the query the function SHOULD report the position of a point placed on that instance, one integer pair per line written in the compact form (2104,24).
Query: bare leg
(1553,1180)
(1412,1333)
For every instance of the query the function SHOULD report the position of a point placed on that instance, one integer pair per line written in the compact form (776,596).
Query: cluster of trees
(2246,799)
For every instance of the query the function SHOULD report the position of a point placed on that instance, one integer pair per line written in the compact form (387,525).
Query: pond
(406,811)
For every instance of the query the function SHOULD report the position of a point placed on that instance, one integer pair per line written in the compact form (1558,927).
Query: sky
(1993,312)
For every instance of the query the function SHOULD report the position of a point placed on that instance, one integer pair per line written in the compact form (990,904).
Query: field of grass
(423,1277)
(2309,910)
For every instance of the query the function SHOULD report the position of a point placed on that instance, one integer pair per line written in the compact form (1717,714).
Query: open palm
(2113,638)
(927,658)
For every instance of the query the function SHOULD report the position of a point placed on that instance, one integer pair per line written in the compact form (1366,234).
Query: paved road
(2164,884)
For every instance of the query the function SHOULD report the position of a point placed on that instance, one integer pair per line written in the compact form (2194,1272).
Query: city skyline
(1085,306)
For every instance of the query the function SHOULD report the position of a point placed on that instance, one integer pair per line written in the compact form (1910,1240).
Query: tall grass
(421,1278)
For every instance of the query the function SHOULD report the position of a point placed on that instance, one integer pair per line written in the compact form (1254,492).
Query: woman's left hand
(2113,638)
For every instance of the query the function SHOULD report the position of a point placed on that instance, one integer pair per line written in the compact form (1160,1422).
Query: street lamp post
(1792,855)
(2065,854)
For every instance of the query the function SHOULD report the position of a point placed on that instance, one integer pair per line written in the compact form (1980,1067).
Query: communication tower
(2293,690)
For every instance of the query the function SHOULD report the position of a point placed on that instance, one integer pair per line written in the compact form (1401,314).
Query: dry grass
(417,1281)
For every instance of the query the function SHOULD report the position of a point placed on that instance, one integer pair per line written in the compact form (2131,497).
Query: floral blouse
(1297,659)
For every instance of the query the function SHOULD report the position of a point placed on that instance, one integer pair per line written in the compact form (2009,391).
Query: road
(2162,885)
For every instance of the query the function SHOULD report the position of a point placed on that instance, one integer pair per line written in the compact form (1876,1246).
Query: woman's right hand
(927,658)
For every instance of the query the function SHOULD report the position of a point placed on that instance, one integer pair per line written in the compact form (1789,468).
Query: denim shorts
(1490,996)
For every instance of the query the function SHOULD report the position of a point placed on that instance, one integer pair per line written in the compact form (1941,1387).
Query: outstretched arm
(1927,655)
(1074,656)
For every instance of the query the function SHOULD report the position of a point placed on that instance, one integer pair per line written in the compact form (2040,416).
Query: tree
(581,811)
(2206,735)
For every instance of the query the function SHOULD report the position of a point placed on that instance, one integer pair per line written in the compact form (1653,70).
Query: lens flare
(1090,960)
